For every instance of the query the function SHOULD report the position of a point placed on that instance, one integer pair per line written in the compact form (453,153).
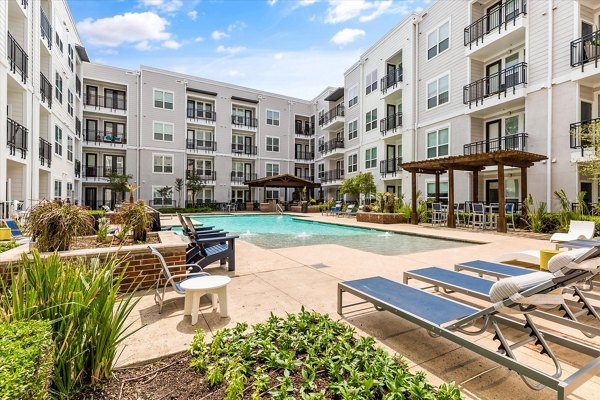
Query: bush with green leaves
(134,217)
(98,213)
(87,313)
(307,356)
(5,246)
(26,360)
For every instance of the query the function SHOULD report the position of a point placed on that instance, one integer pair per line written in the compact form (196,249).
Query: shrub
(172,210)
(134,217)
(26,354)
(102,232)
(98,213)
(5,246)
(86,311)
(53,225)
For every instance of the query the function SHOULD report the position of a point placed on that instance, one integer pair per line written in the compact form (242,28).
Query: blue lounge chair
(15,231)
(207,250)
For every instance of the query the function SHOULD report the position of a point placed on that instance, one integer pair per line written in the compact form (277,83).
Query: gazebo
(472,163)
(281,181)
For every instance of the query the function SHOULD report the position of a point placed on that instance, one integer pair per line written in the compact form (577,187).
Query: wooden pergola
(281,181)
(472,163)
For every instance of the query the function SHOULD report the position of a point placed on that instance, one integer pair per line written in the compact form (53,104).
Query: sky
(291,47)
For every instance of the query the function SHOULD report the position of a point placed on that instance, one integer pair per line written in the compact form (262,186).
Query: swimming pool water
(279,231)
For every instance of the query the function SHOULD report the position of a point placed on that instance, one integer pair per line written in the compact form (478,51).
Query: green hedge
(99,213)
(26,354)
(551,222)
(174,210)
(5,246)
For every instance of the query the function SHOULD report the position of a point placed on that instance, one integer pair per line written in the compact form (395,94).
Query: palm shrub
(536,214)
(565,214)
(134,217)
(85,308)
(54,224)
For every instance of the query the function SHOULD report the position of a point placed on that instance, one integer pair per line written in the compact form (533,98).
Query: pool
(280,231)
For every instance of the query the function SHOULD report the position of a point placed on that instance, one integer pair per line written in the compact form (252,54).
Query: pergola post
(451,219)
(523,192)
(414,218)
(475,197)
(437,188)
(501,223)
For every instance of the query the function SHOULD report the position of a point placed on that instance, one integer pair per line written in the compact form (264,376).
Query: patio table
(195,288)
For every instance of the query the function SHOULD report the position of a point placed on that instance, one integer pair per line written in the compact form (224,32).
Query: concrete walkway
(280,281)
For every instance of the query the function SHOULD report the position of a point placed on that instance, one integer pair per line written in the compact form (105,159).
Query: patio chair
(577,230)
(459,210)
(509,211)
(478,216)
(170,279)
(15,231)
(336,209)
(349,211)
(207,250)
(438,215)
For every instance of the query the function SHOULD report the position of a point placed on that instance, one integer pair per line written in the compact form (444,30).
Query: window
(163,99)
(115,99)
(272,169)
(70,56)
(272,194)
(371,157)
(70,102)
(353,162)
(437,143)
(59,42)
(321,142)
(70,148)
(159,199)
(431,190)
(57,190)
(272,117)
(114,132)
(163,164)
(202,168)
(437,92)
(58,86)
(272,143)
(512,189)
(320,170)
(199,139)
(438,41)
(163,131)
(353,96)
(371,120)
(58,141)
(371,82)
(238,195)
(200,109)
(352,129)
(205,195)
(70,190)
(511,125)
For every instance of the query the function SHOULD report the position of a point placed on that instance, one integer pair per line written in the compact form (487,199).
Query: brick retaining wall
(380,218)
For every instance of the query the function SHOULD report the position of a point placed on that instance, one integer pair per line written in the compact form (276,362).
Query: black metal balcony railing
(577,130)
(17,58)
(390,166)
(333,175)
(198,145)
(240,178)
(585,50)
(331,115)
(201,114)
(243,149)
(518,141)
(16,138)
(306,130)
(114,103)
(78,85)
(203,175)
(306,177)
(391,122)
(104,137)
(46,90)
(304,155)
(24,3)
(496,84)
(494,20)
(391,79)
(331,145)
(46,28)
(244,121)
(78,127)
(98,171)
(45,153)
(77,168)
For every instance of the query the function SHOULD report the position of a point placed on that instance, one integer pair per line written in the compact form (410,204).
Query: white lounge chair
(577,230)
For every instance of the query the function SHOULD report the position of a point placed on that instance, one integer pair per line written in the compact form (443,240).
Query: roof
(285,180)
(336,95)
(82,53)
(474,162)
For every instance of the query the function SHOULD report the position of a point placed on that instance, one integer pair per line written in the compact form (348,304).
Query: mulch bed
(91,242)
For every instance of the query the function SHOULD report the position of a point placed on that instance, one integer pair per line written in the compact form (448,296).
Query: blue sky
(293,47)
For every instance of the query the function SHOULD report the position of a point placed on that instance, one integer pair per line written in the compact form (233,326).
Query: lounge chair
(577,230)
(455,321)
(349,211)
(529,256)
(577,244)
(15,231)
(170,279)
(206,251)
(335,210)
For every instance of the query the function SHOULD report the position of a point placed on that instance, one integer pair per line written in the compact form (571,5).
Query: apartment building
(40,103)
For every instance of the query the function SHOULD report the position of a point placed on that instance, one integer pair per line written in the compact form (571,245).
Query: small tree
(350,186)
(179,189)
(588,137)
(164,193)
(120,183)
(194,185)
(365,183)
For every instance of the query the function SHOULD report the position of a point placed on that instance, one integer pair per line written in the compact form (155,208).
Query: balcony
(17,58)
(388,168)
(46,28)
(45,153)
(305,131)
(332,176)
(518,141)
(496,30)
(77,168)
(390,124)
(504,85)
(239,178)
(98,171)
(46,90)
(243,149)
(100,138)
(304,156)
(200,145)
(102,103)
(307,177)
(78,85)
(587,129)
(585,53)
(391,80)
(331,145)
(201,116)
(333,119)
(78,127)
(244,122)
(203,175)
(16,138)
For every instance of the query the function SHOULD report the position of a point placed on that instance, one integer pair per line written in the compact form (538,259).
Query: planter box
(380,218)
(310,209)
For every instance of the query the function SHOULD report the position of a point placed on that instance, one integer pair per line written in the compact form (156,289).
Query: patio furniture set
(475,215)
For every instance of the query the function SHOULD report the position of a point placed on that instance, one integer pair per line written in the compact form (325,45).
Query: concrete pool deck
(281,281)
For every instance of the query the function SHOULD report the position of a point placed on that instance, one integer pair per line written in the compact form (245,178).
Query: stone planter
(313,209)
(380,218)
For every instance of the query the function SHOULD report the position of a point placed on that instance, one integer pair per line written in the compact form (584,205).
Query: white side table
(197,287)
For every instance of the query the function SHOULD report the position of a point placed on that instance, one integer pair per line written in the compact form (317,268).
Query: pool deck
(280,281)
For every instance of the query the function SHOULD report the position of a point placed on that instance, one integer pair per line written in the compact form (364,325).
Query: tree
(179,189)
(194,186)
(350,186)
(365,183)
(588,137)
(120,183)
(164,193)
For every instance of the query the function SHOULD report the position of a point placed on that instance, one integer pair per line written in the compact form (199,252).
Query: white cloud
(218,35)
(304,3)
(193,15)
(347,35)
(236,26)
(230,50)
(272,2)
(168,6)
(124,28)
(199,39)
(172,44)
(145,45)
(365,10)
